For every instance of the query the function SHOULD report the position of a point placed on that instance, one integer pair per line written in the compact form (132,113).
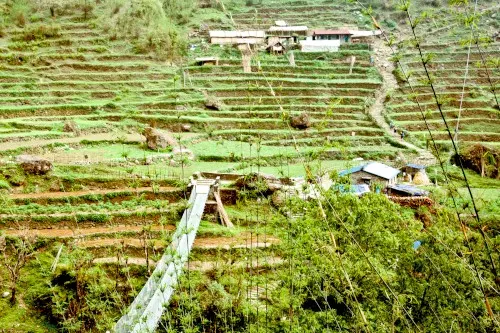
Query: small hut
(287,34)
(405,191)
(276,48)
(207,61)
(371,173)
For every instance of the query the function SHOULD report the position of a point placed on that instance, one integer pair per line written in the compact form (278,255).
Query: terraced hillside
(465,82)
(314,14)
(258,106)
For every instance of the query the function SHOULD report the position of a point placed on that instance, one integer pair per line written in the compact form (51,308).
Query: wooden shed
(207,61)
(372,173)
(287,34)
(276,48)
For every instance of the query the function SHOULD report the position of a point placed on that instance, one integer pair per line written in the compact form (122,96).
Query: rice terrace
(249,166)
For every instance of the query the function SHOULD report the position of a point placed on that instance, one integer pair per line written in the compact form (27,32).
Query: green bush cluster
(153,25)
(39,32)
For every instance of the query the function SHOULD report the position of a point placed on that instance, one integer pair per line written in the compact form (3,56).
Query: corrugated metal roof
(415,166)
(332,32)
(288,28)
(381,170)
(409,189)
(359,190)
(365,33)
(374,168)
(237,34)
(351,170)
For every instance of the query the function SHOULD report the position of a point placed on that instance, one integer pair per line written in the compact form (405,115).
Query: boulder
(70,126)
(186,128)
(301,121)
(265,184)
(5,294)
(34,165)
(213,103)
(158,140)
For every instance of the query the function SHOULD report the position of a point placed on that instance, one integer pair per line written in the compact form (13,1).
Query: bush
(148,25)
(4,185)
(39,32)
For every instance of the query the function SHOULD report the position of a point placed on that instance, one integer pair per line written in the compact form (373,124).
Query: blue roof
(351,170)
(355,189)
(409,189)
(415,166)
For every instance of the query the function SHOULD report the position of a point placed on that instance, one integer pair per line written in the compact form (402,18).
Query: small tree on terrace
(16,253)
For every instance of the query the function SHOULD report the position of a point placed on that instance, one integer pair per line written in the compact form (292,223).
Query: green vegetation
(80,80)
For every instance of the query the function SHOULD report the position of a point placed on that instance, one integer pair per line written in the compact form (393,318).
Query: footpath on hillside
(386,68)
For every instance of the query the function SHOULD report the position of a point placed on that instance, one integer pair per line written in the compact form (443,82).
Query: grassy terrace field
(466,94)
(314,14)
(101,191)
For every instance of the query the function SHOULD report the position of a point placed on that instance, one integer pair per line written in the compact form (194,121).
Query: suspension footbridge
(145,312)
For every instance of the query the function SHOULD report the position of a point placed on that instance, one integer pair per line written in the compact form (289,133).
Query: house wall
(320,45)
(357,178)
(342,38)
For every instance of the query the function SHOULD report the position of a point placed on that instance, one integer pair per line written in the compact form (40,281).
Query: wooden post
(291,59)
(224,217)
(353,61)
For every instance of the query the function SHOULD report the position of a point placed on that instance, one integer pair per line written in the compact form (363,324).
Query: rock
(301,121)
(34,165)
(6,294)
(186,128)
(149,160)
(265,184)
(70,126)
(212,103)
(158,140)
(278,199)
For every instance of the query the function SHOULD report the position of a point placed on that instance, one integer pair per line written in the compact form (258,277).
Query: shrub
(151,24)
(4,185)
(39,32)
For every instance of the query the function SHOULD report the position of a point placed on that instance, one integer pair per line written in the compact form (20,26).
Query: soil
(91,137)
(240,241)
(68,233)
(34,196)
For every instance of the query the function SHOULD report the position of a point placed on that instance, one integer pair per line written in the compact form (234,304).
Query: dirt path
(386,68)
(68,233)
(237,242)
(202,266)
(89,137)
(43,195)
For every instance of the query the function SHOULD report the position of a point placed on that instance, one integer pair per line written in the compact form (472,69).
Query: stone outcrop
(34,165)
(265,184)
(70,126)
(302,121)
(156,139)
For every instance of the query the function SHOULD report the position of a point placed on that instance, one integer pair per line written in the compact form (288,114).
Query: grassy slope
(107,88)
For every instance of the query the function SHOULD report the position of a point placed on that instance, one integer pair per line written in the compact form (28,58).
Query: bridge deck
(145,311)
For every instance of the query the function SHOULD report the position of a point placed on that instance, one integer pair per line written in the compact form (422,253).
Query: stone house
(372,173)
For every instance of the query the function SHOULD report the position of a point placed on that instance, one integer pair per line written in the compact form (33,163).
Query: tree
(16,253)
